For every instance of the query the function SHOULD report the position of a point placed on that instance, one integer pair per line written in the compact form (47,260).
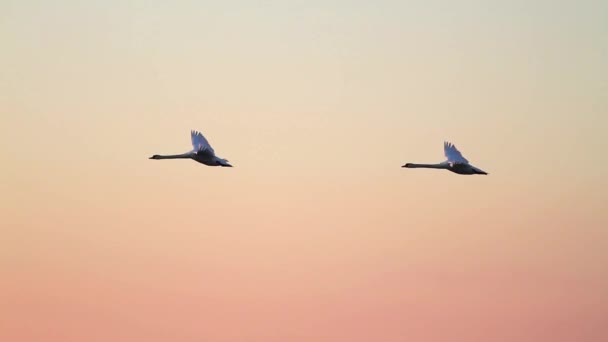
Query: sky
(317,233)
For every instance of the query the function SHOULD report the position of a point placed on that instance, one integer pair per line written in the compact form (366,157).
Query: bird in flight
(202,152)
(455,163)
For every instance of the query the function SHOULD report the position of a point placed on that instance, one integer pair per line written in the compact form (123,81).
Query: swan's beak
(406,165)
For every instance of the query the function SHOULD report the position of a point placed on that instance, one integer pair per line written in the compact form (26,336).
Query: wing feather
(200,143)
(453,155)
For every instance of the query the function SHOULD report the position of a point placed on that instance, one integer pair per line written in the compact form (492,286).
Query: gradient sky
(316,234)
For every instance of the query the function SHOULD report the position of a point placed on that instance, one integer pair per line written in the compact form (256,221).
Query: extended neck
(172,156)
(426,166)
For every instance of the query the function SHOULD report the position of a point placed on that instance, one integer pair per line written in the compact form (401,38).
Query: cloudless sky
(317,233)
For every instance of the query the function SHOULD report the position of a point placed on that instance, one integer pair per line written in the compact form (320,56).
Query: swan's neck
(427,166)
(174,156)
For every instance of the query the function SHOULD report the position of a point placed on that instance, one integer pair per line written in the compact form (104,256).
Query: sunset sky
(317,233)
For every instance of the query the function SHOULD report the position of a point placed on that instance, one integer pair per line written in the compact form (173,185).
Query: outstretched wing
(200,144)
(453,155)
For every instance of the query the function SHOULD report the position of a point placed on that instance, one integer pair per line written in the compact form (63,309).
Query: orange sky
(316,234)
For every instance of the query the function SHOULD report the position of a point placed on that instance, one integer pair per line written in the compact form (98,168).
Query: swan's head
(156,156)
(407,165)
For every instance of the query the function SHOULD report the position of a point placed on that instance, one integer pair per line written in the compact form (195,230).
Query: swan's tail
(223,163)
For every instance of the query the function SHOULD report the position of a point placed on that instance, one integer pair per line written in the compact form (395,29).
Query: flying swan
(202,152)
(455,163)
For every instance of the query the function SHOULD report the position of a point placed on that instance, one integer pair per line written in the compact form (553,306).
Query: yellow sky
(316,233)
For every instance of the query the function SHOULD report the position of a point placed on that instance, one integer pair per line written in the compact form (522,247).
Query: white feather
(454,156)
(200,143)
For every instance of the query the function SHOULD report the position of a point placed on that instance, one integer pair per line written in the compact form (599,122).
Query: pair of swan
(203,153)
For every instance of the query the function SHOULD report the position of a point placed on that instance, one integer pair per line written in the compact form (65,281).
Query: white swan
(455,163)
(202,152)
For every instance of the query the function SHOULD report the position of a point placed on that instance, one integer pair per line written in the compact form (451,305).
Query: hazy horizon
(317,233)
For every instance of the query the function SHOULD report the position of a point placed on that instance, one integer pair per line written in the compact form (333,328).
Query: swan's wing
(453,155)
(200,144)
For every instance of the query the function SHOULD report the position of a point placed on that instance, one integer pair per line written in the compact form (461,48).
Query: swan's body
(455,163)
(202,152)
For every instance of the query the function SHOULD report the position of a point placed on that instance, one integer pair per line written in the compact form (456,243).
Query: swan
(202,152)
(455,163)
